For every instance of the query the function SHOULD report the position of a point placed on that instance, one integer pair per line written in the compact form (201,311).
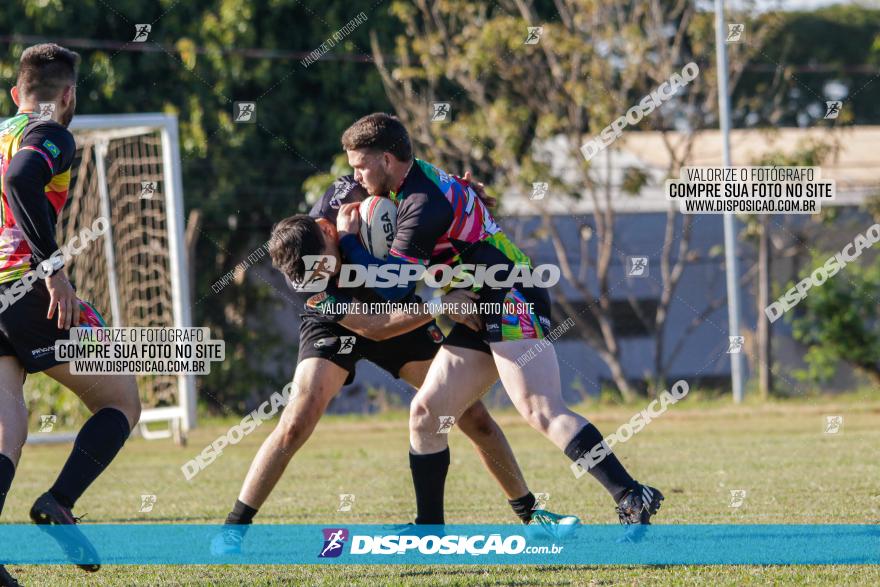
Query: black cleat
(46,511)
(7,580)
(636,508)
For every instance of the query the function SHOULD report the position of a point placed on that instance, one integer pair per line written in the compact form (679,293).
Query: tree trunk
(191,239)
(618,375)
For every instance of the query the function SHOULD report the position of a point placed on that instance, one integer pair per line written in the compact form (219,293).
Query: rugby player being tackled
(441,221)
(332,341)
(39,304)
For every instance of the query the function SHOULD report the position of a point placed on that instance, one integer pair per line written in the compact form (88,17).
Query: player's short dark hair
(45,70)
(379,132)
(292,238)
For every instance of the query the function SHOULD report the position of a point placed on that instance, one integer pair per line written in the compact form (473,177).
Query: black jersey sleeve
(46,150)
(422,219)
(324,306)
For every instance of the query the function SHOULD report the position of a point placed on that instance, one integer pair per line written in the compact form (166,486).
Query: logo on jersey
(435,333)
(324,342)
(341,188)
(50,146)
(334,540)
(316,300)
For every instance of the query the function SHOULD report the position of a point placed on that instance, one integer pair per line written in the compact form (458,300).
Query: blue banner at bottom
(187,544)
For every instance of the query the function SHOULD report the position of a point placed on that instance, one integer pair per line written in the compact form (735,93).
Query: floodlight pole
(732,266)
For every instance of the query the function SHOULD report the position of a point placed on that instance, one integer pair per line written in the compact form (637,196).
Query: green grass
(696,454)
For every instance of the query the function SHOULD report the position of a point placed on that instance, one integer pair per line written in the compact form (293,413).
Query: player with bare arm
(441,221)
(402,343)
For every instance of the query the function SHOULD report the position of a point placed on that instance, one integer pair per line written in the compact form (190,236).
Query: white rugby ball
(378,225)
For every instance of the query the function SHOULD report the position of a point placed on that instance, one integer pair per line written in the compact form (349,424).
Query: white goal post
(128,169)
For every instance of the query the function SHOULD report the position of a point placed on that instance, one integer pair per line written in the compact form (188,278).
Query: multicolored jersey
(35,161)
(441,220)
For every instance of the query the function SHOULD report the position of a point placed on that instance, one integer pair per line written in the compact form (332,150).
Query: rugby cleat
(636,508)
(7,580)
(46,511)
(545,524)
(228,541)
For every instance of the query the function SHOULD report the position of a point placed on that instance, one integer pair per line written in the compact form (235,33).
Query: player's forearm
(354,251)
(385,326)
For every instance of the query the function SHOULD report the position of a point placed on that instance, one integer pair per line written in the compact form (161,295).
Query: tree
(839,322)
(510,101)
(200,57)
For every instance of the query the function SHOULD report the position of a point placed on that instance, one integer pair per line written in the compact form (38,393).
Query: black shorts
(340,346)
(514,314)
(27,334)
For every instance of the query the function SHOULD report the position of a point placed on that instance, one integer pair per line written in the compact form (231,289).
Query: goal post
(127,169)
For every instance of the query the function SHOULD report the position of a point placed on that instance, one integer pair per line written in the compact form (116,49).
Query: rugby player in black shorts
(441,222)
(38,305)
(330,345)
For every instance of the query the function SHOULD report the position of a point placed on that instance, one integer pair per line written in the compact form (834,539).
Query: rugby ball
(378,225)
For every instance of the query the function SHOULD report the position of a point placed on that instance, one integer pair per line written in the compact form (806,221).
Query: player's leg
(486,435)
(449,390)
(316,382)
(13,421)
(116,408)
(535,389)
(113,401)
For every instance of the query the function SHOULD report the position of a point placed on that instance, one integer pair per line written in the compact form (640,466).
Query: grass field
(792,471)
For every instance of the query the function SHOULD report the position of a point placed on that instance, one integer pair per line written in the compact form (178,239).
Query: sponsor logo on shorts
(42,351)
(324,342)
(334,540)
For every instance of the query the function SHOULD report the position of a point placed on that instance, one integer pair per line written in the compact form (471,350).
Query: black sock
(429,480)
(523,506)
(97,443)
(241,513)
(608,471)
(7,472)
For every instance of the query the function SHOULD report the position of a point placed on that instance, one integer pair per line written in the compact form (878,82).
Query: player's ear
(327,228)
(16,97)
(67,95)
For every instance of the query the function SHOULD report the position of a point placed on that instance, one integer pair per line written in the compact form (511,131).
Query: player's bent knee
(13,432)
(293,433)
(476,422)
(297,422)
(421,415)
